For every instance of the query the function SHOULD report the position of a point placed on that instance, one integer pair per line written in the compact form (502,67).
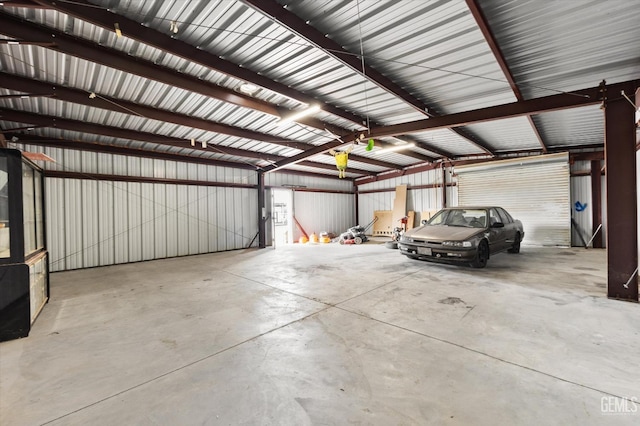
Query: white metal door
(535,190)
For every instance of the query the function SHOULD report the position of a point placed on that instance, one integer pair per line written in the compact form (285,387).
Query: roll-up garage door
(535,190)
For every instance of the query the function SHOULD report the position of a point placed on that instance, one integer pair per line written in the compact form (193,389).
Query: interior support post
(622,200)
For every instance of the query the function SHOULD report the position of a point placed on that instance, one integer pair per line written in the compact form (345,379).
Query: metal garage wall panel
(212,229)
(134,166)
(203,220)
(121,221)
(105,164)
(90,235)
(222,220)
(71,219)
(106,220)
(54,196)
(535,190)
(171,198)
(134,213)
(94,223)
(193,219)
(147,202)
(581,193)
(323,212)
(88,161)
(182,207)
(160,231)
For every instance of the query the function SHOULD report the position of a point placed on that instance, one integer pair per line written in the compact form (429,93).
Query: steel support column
(596,202)
(262,209)
(622,226)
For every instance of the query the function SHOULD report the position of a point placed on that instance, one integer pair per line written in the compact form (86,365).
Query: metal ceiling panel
(447,141)
(432,49)
(512,134)
(572,127)
(556,46)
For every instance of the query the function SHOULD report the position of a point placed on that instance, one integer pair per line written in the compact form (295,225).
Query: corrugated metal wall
(323,211)
(535,190)
(99,222)
(581,201)
(417,199)
(96,223)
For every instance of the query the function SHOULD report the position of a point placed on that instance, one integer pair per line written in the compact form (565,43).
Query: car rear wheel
(515,248)
(482,255)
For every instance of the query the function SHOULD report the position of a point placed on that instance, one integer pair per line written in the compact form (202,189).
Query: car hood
(443,233)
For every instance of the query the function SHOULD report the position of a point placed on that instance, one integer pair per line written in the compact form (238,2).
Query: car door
(497,235)
(510,228)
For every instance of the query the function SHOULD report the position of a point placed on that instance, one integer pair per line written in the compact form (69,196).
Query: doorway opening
(282,208)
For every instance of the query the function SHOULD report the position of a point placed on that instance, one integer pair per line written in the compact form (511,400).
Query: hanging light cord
(366,99)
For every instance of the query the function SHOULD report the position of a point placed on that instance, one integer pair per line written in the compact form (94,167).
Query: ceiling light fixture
(174,27)
(116,27)
(298,115)
(193,142)
(395,148)
(248,88)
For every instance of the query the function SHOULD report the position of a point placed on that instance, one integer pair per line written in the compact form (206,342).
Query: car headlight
(404,239)
(457,243)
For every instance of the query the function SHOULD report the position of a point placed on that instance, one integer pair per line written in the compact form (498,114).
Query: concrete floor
(329,335)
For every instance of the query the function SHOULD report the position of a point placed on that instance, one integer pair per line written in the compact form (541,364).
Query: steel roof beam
(121,150)
(93,52)
(113,58)
(112,149)
(324,148)
(26,85)
(132,29)
(573,99)
(481,20)
(81,97)
(297,25)
(25,4)
(116,132)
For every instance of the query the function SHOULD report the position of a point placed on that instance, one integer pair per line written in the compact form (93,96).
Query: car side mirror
(497,225)
(424,221)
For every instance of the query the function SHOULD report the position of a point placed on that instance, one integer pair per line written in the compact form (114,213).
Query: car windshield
(470,218)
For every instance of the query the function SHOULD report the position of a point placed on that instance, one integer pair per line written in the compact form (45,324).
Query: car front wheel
(482,255)
(515,248)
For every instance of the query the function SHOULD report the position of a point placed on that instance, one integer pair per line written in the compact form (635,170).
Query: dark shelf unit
(24,260)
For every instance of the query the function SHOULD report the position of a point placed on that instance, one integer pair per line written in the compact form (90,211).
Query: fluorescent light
(298,115)
(395,148)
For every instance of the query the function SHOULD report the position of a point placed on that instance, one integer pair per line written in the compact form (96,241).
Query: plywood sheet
(382,226)
(399,205)
(410,219)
